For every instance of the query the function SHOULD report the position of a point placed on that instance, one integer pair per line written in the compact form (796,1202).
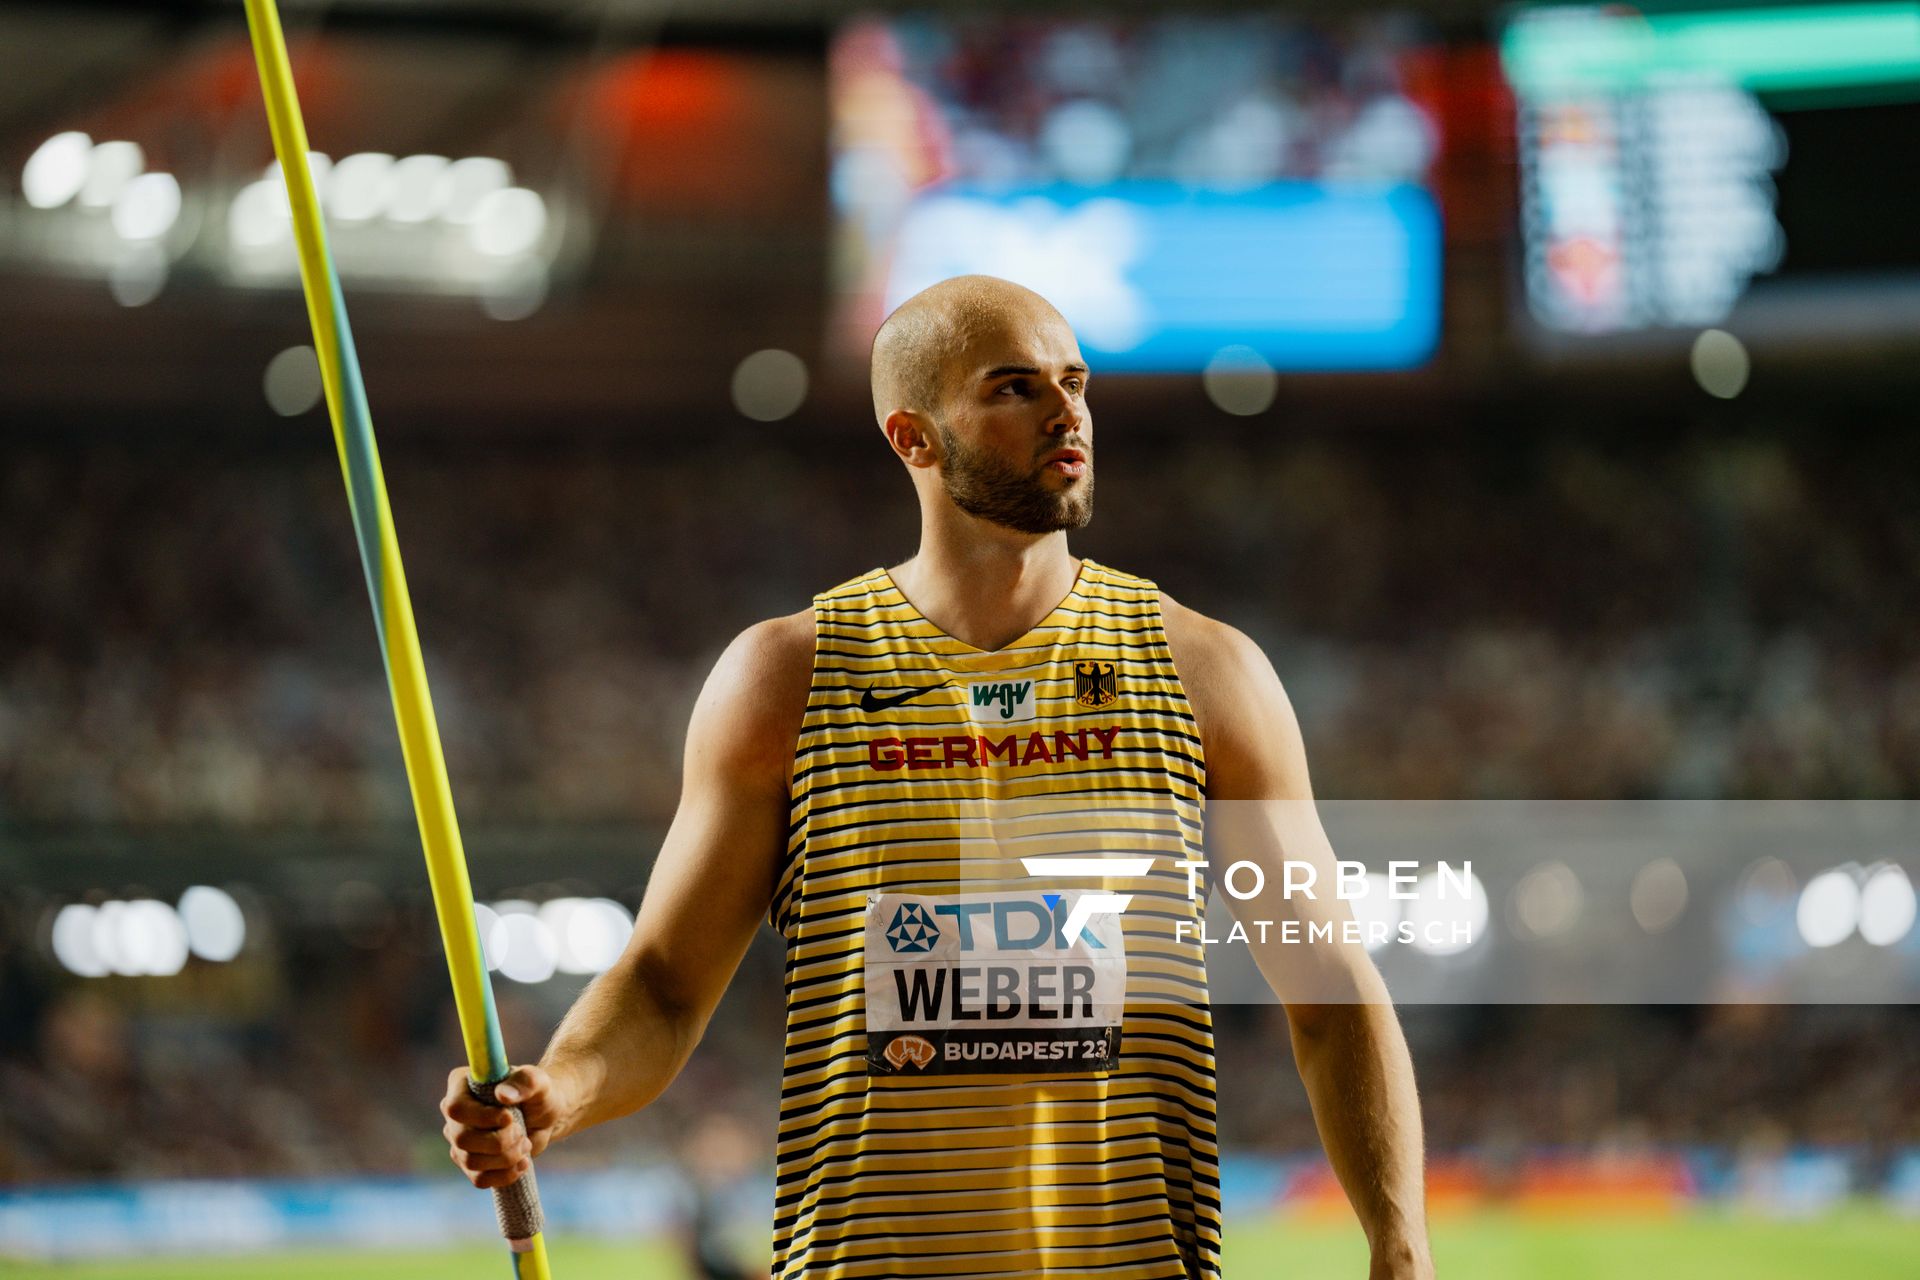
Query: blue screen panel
(1159,277)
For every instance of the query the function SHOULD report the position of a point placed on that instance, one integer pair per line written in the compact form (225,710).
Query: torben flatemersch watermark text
(1402,882)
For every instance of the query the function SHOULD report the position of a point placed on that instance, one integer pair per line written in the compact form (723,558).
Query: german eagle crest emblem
(1093,684)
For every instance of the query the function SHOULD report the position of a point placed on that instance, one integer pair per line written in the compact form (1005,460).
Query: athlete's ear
(913,438)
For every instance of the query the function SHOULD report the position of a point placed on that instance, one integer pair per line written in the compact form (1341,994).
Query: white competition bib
(972,982)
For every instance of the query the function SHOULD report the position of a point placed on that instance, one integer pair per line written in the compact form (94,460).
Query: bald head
(915,352)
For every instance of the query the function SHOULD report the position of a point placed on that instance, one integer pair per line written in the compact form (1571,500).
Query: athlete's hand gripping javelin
(486,1141)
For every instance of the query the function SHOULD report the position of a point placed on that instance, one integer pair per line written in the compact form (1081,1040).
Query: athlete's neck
(988,594)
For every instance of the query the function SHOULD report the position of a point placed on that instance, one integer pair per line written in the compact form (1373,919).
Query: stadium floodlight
(73,941)
(508,222)
(254,219)
(1829,908)
(216,927)
(1887,905)
(1444,921)
(531,953)
(418,193)
(361,186)
(1377,912)
(147,207)
(517,1204)
(57,169)
(466,182)
(110,167)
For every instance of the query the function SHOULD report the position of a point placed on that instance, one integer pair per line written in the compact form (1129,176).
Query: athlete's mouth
(1068,462)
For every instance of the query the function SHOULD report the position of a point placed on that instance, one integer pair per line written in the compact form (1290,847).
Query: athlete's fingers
(486,1163)
(460,1104)
(488,1142)
(500,1177)
(485,1171)
(531,1089)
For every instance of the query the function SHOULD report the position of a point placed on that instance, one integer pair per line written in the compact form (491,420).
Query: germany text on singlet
(999,1055)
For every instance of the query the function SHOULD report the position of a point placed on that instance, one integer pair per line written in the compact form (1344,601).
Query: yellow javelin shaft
(393,613)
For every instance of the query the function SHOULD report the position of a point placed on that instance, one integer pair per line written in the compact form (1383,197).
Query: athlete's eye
(1018,386)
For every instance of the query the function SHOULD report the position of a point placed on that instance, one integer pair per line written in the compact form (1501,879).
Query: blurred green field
(1859,1244)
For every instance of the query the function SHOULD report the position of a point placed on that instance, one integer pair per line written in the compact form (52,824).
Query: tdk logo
(912,931)
(1001,701)
(988,926)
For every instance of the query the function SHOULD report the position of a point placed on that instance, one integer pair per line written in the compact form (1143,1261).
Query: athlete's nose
(1070,417)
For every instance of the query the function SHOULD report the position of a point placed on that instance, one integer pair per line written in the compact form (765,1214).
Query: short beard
(983,486)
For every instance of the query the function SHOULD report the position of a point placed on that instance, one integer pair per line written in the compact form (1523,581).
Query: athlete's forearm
(1354,1062)
(618,1048)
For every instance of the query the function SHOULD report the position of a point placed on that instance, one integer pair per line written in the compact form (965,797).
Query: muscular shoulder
(1247,726)
(749,714)
(777,652)
(1214,659)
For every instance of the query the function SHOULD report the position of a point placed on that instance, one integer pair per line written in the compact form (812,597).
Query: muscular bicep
(1263,828)
(718,866)
(1261,809)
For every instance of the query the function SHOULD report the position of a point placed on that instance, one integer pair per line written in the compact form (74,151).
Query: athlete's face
(1018,401)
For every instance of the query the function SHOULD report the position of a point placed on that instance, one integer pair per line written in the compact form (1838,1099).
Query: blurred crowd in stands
(189,642)
(189,648)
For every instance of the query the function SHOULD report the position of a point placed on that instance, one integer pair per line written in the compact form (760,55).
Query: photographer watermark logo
(1087,905)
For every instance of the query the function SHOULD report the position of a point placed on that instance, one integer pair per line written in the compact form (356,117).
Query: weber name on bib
(988,982)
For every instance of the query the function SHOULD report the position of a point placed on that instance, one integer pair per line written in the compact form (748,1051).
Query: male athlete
(982,1079)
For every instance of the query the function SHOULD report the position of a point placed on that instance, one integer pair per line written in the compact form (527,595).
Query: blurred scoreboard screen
(1176,186)
(1684,168)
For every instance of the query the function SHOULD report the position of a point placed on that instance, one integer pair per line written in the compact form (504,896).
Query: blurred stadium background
(1536,385)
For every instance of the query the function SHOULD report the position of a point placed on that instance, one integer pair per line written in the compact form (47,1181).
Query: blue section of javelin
(497,1065)
(363,494)
(362,486)
(1312,275)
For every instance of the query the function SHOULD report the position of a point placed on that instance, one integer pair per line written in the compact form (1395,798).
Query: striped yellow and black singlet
(924,769)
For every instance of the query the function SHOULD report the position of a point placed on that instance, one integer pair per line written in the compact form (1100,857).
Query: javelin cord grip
(517,1205)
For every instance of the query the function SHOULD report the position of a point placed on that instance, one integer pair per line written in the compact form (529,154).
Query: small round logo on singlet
(904,1049)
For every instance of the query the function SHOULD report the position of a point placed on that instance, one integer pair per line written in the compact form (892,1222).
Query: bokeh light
(110,167)
(530,952)
(361,186)
(1547,900)
(1886,906)
(1720,364)
(1240,381)
(769,385)
(147,207)
(216,927)
(1658,897)
(1445,921)
(56,170)
(73,931)
(1829,909)
(508,223)
(292,381)
(1376,911)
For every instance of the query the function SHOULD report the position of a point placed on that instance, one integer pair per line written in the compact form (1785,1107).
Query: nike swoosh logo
(870,703)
